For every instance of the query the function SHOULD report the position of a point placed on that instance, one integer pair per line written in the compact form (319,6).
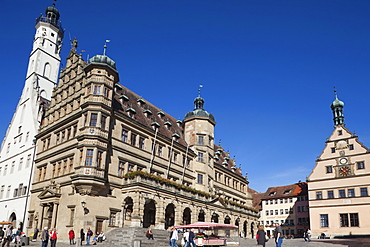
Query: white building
(17,150)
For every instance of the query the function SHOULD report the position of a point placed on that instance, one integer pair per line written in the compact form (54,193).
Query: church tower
(18,147)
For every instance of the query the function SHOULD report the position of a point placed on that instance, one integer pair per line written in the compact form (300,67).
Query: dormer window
(131,112)
(147,113)
(168,125)
(155,125)
(272,193)
(160,114)
(175,136)
(179,123)
(287,192)
(141,102)
(124,98)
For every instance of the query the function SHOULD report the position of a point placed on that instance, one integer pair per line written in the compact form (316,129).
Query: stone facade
(338,184)
(107,158)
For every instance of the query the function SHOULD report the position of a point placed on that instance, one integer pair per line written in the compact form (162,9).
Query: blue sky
(268,68)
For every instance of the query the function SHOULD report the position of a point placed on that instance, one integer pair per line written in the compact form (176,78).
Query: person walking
(308,235)
(53,237)
(8,236)
(88,236)
(35,233)
(82,235)
(174,237)
(71,237)
(45,237)
(261,236)
(278,235)
(2,234)
(18,237)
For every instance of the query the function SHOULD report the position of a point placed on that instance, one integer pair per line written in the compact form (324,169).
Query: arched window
(47,69)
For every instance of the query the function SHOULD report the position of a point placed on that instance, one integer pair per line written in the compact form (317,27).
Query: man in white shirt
(174,237)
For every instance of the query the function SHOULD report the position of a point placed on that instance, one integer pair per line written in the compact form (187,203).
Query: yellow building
(338,185)
(108,158)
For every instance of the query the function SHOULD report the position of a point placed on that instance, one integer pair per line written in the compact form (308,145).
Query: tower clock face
(343,161)
(344,171)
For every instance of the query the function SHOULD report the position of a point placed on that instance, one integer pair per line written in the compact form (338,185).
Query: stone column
(42,216)
(159,214)
(55,211)
(137,208)
(178,213)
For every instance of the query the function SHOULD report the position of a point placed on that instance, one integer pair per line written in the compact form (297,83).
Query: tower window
(361,165)
(340,132)
(200,157)
(200,140)
(97,90)
(350,147)
(332,150)
(329,169)
(200,179)
(89,157)
(94,119)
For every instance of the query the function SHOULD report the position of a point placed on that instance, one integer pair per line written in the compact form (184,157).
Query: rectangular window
(28,162)
(281,211)
(340,132)
(160,151)
(124,135)
(175,157)
(133,139)
(31,218)
(267,212)
(353,219)
(106,92)
(200,179)
(112,218)
(330,194)
(97,90)
(200,140)
(267,202)
(99,159)
(15,194)
(103,121)
(94,119)
(363,191)
(329,169)
(333,150)
(286,211)
(271,212)
(141,142)
(350,147)
(344,222)
(324,220)
(361,165)
(281,201)
(351,192)
(71,216)
(121,168)
(20,164)
(342,193)
(318,195)
(276,212)
(200,157)
(89,157)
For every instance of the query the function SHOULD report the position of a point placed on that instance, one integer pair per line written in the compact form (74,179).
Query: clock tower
(338,185)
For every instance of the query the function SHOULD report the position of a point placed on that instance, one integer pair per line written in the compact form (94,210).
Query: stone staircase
(135,237)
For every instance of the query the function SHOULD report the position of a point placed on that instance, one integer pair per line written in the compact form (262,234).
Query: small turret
(337,108)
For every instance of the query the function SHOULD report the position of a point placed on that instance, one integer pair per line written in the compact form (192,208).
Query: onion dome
(199,111)
(337,108)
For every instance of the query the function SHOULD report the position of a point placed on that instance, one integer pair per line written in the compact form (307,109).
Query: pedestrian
(82,235)
(45,237)
(35,233)
(88,236)
(101,237)
(186,238)
(278,235)
(53,237)
(191,238)
(18,237)
(71,237)
(2,233)
(174,237)
(308,235)
(149,234)
(261,236)
(8,236)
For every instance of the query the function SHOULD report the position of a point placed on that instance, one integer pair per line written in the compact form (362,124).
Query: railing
(90,171)
(53,22)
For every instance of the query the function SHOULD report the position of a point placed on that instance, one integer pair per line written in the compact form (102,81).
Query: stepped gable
(148,114)
(223,159)
(287,191)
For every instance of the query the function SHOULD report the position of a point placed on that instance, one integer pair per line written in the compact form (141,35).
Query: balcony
(88,180)
(53,22)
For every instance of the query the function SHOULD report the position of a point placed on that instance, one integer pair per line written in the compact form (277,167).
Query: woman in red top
(71,236)
(53,237)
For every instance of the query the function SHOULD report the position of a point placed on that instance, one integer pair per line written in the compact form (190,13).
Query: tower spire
(337,108)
